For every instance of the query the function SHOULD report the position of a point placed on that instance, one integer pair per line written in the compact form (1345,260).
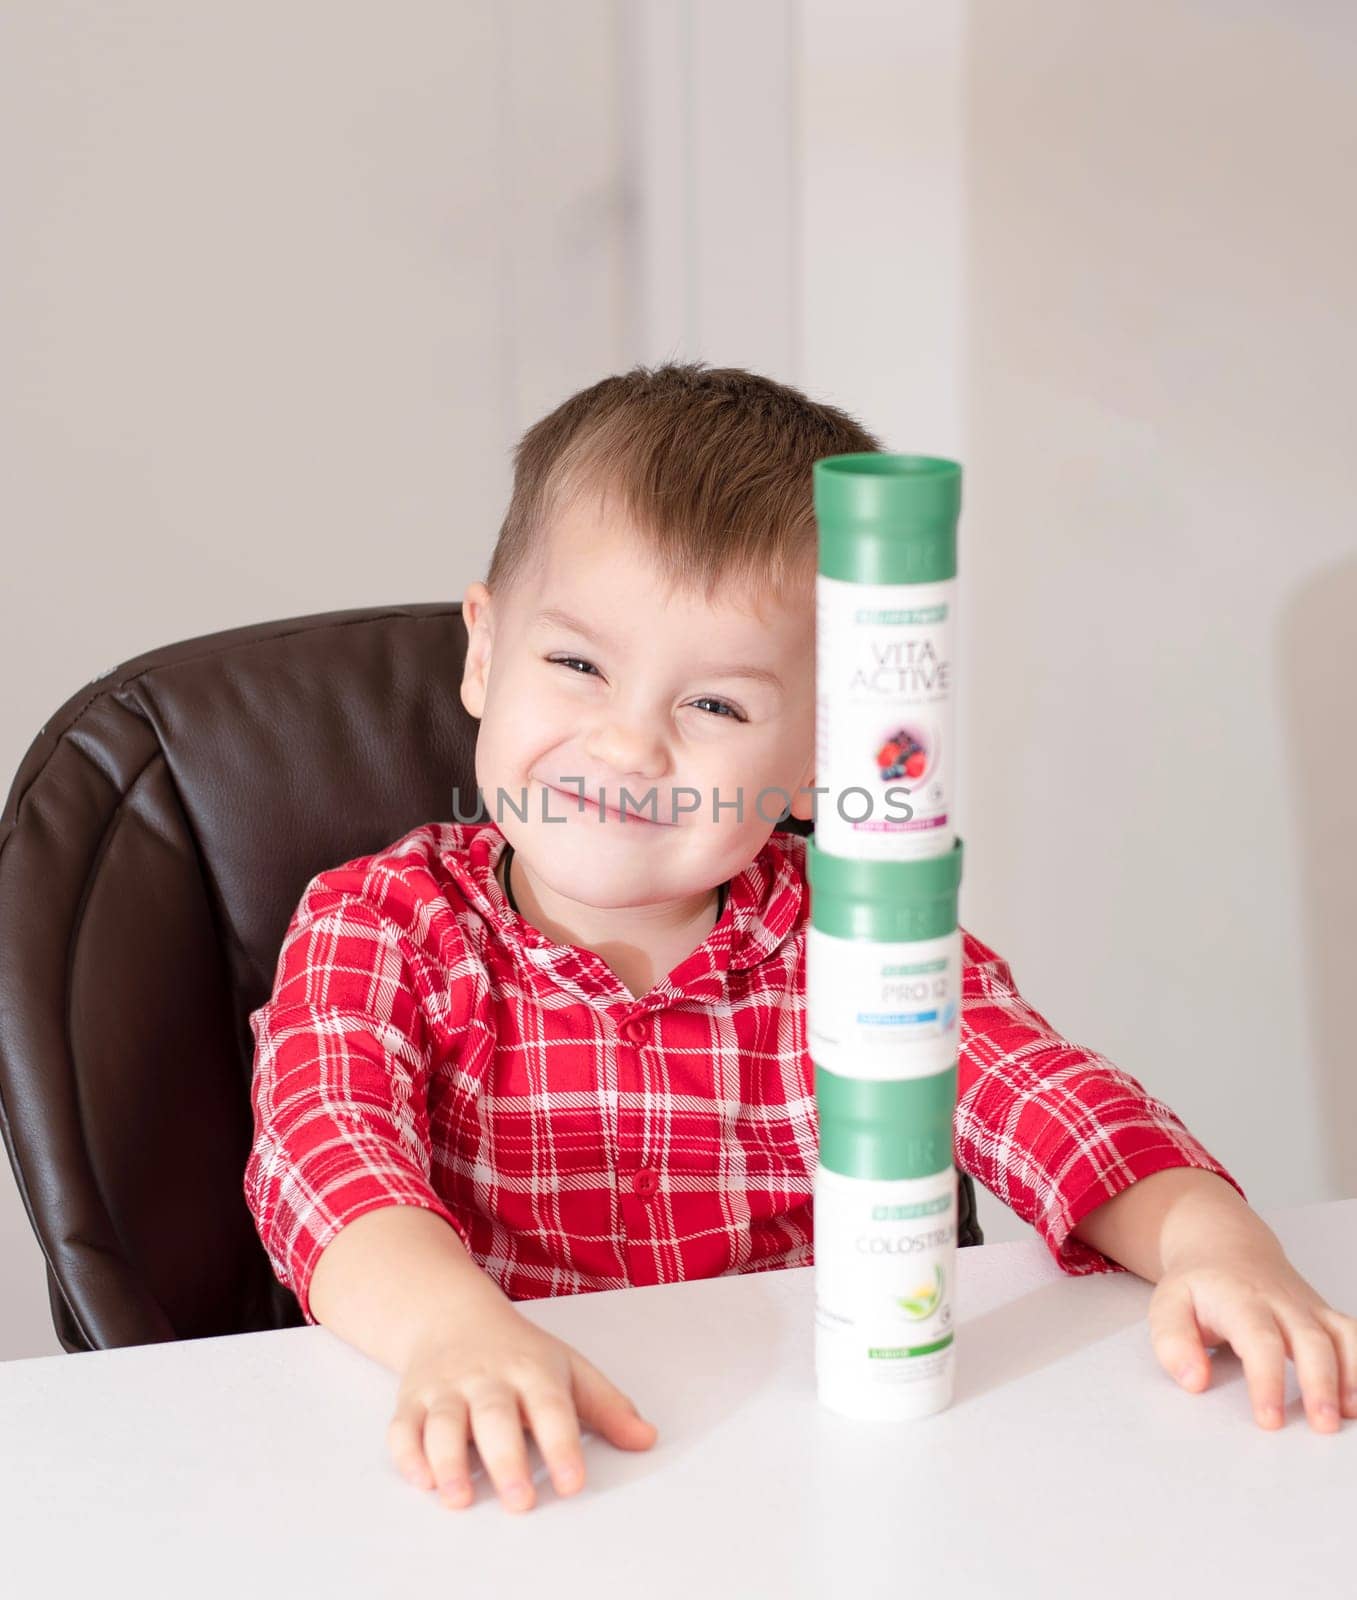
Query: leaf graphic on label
(924,1301)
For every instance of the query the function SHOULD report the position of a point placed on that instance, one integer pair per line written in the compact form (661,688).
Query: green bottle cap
(887,518)
(889,901)
(886,1128)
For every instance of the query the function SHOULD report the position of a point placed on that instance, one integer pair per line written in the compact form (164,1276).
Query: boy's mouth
(587,805)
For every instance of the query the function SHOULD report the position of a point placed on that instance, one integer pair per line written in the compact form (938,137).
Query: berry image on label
(902,756)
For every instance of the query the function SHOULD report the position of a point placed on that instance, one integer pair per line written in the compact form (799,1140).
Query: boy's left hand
(1222,1277)
(1247,1294)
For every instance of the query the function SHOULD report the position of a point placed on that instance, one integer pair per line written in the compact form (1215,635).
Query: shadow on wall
(1317,669)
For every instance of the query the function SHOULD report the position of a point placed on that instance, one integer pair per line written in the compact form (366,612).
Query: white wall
(284,283)
(1162,333)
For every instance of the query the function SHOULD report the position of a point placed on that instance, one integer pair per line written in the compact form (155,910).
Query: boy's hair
(712,466)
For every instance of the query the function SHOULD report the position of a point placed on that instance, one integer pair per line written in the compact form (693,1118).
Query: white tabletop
(1070,1463)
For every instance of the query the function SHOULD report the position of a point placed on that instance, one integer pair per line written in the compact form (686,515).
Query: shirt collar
(765,903)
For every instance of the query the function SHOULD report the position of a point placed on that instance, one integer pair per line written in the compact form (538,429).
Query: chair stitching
(77,927)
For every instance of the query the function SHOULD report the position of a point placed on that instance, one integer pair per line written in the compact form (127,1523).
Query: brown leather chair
(155,842)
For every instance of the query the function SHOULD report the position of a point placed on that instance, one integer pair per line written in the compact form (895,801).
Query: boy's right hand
(474,1379)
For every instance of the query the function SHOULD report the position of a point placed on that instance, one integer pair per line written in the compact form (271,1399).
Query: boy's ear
(480,638)
(803,801)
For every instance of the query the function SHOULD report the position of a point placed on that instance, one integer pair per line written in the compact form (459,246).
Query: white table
(1069,1464)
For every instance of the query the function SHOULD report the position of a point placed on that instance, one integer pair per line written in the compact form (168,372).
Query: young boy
(564,1049)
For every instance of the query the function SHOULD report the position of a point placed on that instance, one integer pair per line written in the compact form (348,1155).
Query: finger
(445,1447)
(1255,1338)
(497,1427)
(404,1439)
(1316,1360)
(603,1407)
(1344,1331)
(551,1416)
(1175,1336)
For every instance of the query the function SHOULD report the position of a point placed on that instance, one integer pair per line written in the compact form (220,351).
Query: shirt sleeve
(1050,1128)
(340,1087)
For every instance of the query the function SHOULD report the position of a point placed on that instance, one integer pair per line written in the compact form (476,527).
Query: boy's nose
(629,749)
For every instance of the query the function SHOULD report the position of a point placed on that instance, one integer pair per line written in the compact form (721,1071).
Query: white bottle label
(883,1010)
(884,718)
(885,1265)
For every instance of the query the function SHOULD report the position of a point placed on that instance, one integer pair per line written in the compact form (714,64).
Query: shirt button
(636,1030)
(645,1181)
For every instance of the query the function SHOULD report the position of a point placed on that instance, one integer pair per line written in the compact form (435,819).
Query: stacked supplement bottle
(883,949)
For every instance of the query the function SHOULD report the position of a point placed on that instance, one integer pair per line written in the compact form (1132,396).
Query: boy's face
(590,674)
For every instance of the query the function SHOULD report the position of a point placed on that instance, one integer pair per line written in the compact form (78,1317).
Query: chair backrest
(156,840)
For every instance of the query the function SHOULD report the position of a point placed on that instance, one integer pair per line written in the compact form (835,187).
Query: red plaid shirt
(425,1045)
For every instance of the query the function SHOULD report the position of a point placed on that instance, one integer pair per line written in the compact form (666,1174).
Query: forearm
(393,1277)
(1162,1219)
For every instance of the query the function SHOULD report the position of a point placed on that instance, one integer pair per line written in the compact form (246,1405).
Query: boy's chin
(606,877)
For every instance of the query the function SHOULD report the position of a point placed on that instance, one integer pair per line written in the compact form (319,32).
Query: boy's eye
(706,700)
(723,708)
